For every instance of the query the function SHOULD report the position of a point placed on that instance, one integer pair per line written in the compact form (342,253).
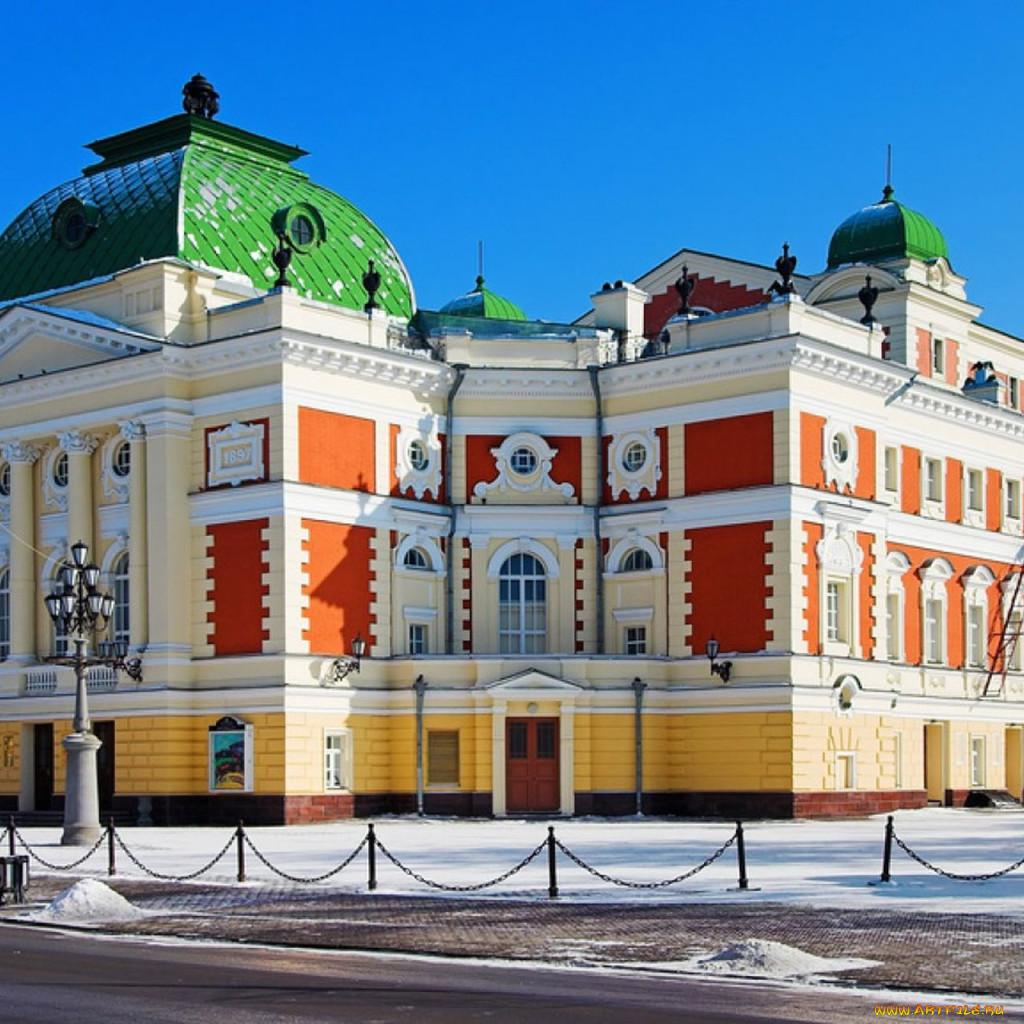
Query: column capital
(77,441)
(132,430)
(20,452)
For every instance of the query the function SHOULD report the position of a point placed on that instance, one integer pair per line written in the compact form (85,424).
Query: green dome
(191,188)
(483,302)
(886,231)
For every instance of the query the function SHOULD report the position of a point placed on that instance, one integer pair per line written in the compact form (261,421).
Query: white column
(138,544)
(24,600)
(79,447)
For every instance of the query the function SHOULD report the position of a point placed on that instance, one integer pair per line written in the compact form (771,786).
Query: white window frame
(337,760)
(938,354)
(976,583)
(634,640)
(891,464)
(522,616)
(897,760)
(932,483)
(1011,501)
(418,638)
(896,566)
(934,575)
(5,613)
(974,496)
(839,565)
(977,752)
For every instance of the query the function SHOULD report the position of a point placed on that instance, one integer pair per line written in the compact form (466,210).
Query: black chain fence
(891,838)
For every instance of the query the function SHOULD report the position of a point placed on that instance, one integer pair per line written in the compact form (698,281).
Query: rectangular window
(938,357)
(933,479)
(897,755)
(845,771)
(1014,393)
(975,635)
(977,761)
(837,629)
(636,639)
(892,470)
(442,757)
(894,626)
(1013,499)
(336,760)
(417,638)
(975,490)
(1012,645)
(546,741)
(933,631)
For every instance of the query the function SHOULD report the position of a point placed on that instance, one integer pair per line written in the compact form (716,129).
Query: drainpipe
(449,593)
(638,735)
(420,686)
(595,385)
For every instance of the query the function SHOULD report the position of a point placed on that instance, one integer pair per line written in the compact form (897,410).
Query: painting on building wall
(230,756)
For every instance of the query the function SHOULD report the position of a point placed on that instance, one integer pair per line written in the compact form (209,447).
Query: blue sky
(582,142)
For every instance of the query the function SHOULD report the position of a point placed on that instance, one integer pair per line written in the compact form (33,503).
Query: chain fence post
(741,855)
(240,847)
(552,869)
(10,835)
(111,864)
(371,856)
(887,851)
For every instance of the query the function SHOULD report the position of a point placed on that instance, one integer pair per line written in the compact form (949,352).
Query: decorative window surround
(532,478)
(633,540)
(411,473)
(896,566)
(934,575)
(644,475)
(423,541)
(839,454)
(235,454)
(974,497)
(976,582)
(839,565)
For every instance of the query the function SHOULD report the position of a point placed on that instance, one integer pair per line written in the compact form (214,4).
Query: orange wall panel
(729,586)
(336,450)
(867,469)
(392,486)
(238,551)
(924,352)
(954,490)
(813,534)
(727,453)
(339,586)
(910,482)
(952,362)
(481,465)
(866,611)
(993,499)
(565,466)
(811,453)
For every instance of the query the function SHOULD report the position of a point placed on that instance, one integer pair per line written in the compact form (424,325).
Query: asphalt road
(50,977)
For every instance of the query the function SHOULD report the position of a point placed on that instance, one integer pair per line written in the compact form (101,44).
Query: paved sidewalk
(973,953)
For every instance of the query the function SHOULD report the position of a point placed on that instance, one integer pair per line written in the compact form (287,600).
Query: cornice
(527,382)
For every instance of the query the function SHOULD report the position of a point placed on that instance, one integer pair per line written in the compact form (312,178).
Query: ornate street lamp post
(80,610)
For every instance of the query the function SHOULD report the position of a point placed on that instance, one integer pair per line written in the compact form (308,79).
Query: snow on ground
(826,864)
(88,901)
(762,958)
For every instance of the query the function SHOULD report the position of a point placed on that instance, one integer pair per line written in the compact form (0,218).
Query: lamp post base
(81,793)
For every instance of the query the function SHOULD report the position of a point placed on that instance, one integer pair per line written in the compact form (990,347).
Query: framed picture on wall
(230,754)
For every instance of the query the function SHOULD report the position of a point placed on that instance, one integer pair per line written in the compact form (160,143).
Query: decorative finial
(685,286)
(784,265)
(868,296)
(200,98)
(282,256)
(479,283)
(371,282)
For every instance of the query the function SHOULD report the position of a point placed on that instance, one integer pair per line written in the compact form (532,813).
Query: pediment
(532,680)
(35,340)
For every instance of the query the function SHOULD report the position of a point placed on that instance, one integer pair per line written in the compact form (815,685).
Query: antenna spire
(480,258)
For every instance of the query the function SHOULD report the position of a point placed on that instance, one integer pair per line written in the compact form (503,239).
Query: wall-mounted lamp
(341,667)
(722,669)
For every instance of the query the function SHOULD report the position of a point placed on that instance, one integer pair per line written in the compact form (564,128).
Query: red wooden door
(531,765)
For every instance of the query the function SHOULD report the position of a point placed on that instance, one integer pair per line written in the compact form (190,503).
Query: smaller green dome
(483,302)
(888,230)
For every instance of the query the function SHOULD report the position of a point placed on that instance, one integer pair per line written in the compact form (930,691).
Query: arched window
(636,560)
(5,614)
(415,558)
(119,625)
(522,606)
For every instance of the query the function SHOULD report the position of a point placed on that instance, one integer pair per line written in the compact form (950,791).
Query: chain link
(59,867)
(646,885)
(316,878)
(173,878)
(460,888)
(950,874)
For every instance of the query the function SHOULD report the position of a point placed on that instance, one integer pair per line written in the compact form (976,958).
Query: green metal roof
(885,231)
(483,302)
(195,189)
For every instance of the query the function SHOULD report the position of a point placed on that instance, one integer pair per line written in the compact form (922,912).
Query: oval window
(634,457)
(419,457)
(60,470)
(523,461)
(122,460)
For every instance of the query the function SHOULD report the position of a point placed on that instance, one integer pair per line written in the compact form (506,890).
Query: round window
(523,461)
(634,457)
(122,460)
(60,470)
(840,448)
(419,457)
(5,479)
(73,222)
(301,230)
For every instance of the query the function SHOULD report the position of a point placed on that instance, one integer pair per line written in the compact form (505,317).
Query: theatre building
(376,558)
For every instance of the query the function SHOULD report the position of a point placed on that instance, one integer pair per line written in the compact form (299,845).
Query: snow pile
(87,901)
(765,959)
